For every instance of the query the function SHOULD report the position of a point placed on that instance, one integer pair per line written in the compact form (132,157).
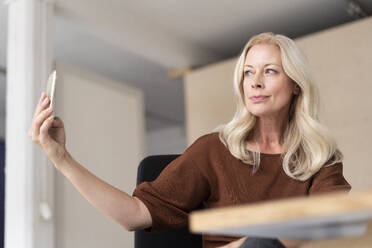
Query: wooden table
(317,217)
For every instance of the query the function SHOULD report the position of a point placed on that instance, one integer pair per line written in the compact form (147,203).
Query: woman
(274,147)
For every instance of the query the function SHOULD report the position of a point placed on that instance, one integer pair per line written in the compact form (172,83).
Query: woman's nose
(257,82)
(257,85)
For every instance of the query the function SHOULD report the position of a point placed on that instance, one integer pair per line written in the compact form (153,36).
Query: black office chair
(148,170)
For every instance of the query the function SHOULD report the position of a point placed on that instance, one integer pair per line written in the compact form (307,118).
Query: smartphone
(51,87)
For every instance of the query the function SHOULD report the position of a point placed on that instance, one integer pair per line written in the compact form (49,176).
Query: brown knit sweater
(206,175)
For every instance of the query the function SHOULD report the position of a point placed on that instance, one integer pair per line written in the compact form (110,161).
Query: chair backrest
(148,170)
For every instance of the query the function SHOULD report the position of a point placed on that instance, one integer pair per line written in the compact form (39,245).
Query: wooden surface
(311,218)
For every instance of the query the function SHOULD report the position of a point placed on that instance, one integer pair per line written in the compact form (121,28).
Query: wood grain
(315,217)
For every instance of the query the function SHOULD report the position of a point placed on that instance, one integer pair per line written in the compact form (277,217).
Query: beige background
(341,59)
(104,122)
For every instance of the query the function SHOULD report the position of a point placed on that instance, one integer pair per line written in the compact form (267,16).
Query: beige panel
(341,59)
(104,122)
(208,98)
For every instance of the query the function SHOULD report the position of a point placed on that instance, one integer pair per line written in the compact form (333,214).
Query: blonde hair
(308,144)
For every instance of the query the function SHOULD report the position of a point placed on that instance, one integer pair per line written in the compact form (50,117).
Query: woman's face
(267,89)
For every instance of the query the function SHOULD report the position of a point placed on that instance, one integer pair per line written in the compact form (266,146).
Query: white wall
(104,121)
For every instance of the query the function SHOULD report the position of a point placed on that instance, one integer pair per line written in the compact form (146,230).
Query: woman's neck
(268,134)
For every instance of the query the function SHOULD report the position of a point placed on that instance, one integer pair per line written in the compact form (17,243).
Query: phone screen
(51,86)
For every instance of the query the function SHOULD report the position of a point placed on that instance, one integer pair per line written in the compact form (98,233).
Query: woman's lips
(258,98)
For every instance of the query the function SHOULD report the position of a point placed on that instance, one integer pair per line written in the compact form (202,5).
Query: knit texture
(206,175)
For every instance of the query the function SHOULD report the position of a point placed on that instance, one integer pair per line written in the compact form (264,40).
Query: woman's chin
(260,113)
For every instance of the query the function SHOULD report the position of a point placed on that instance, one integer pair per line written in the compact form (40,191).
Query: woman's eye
(247,73)
(270,71)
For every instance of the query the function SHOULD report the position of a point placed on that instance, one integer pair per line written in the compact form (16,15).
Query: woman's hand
(234,244)
(48,131)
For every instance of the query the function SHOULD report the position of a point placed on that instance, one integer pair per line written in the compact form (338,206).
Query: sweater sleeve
(329,179)
(180,188)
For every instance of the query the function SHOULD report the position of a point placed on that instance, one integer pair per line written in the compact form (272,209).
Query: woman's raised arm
(128,211)
(49,133)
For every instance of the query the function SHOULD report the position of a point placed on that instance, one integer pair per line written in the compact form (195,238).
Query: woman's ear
(296,90)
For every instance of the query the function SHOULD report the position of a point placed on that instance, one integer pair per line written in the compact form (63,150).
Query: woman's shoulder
(206,141)
(207,152)
(205,144)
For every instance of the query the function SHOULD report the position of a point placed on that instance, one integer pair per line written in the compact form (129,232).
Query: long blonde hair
(307,142)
